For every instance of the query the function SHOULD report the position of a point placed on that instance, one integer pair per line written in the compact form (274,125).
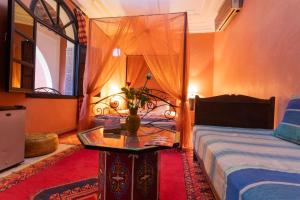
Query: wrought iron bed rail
(158,99)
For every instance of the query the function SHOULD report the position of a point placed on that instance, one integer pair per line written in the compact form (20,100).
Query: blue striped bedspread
(248,164)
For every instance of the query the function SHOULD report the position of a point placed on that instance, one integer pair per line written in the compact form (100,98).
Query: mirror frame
(78,59)
(55,28)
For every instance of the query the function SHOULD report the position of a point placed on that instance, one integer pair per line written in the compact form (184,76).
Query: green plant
(137,98)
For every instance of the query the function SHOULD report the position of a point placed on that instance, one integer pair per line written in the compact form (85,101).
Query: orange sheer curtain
(165,54)
(160,39)
(136,65)
(100,65)
(137,70)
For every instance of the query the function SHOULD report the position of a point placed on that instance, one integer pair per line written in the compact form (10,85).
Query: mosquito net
(161,42)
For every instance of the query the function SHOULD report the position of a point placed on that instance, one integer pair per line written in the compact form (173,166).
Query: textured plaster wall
(258,54)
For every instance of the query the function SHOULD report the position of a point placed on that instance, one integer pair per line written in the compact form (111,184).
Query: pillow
(160,110)
(289,128)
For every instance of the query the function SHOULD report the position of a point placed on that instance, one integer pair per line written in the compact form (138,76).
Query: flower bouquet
(135,99)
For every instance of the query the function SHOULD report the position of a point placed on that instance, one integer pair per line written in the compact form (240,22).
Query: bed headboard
(160,103)
(235,111)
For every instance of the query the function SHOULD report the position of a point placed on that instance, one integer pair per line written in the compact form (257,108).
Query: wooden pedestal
(125,176)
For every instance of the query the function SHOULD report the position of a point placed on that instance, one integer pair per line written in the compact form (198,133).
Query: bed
(160,112)
(233,141)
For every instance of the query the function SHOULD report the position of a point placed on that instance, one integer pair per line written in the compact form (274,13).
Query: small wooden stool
(40,144)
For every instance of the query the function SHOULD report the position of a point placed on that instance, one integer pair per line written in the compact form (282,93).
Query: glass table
(128,164)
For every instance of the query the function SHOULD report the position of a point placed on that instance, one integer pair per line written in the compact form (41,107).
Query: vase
(133,121)
(132,141)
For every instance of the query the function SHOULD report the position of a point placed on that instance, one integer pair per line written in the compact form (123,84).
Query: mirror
(22,69)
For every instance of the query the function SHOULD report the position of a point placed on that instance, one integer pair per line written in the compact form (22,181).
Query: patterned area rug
(81,190)
(197,187)
(19,176)
(196,184)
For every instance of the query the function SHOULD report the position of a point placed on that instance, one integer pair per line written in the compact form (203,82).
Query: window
(44,49)
(54,63)
(56,15)
(56,42)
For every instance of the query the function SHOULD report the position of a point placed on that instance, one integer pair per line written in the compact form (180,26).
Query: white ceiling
(201,13)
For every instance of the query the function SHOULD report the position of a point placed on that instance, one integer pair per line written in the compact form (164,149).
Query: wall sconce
(116,52)
(114,88)
(192,91)
(191,95)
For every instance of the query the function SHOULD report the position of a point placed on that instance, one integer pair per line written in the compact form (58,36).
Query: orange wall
(259,52)
(44,115)
(201,62)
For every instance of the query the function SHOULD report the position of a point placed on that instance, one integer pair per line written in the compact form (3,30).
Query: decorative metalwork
(46,90)
(158,100)
(145,176)
(118,177)
(100,111)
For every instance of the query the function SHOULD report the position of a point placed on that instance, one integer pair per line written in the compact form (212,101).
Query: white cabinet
(12,135)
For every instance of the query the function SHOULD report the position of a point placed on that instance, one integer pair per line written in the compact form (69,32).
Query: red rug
(72,175)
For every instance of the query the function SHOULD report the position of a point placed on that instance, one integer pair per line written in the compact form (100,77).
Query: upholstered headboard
(235,111)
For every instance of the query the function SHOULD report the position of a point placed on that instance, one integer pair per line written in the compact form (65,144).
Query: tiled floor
(30,161)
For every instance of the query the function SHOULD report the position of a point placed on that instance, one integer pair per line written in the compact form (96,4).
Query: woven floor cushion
(40,144)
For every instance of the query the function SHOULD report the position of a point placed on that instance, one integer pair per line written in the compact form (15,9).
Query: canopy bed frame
(156,96)
(161,41)
(158,112)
